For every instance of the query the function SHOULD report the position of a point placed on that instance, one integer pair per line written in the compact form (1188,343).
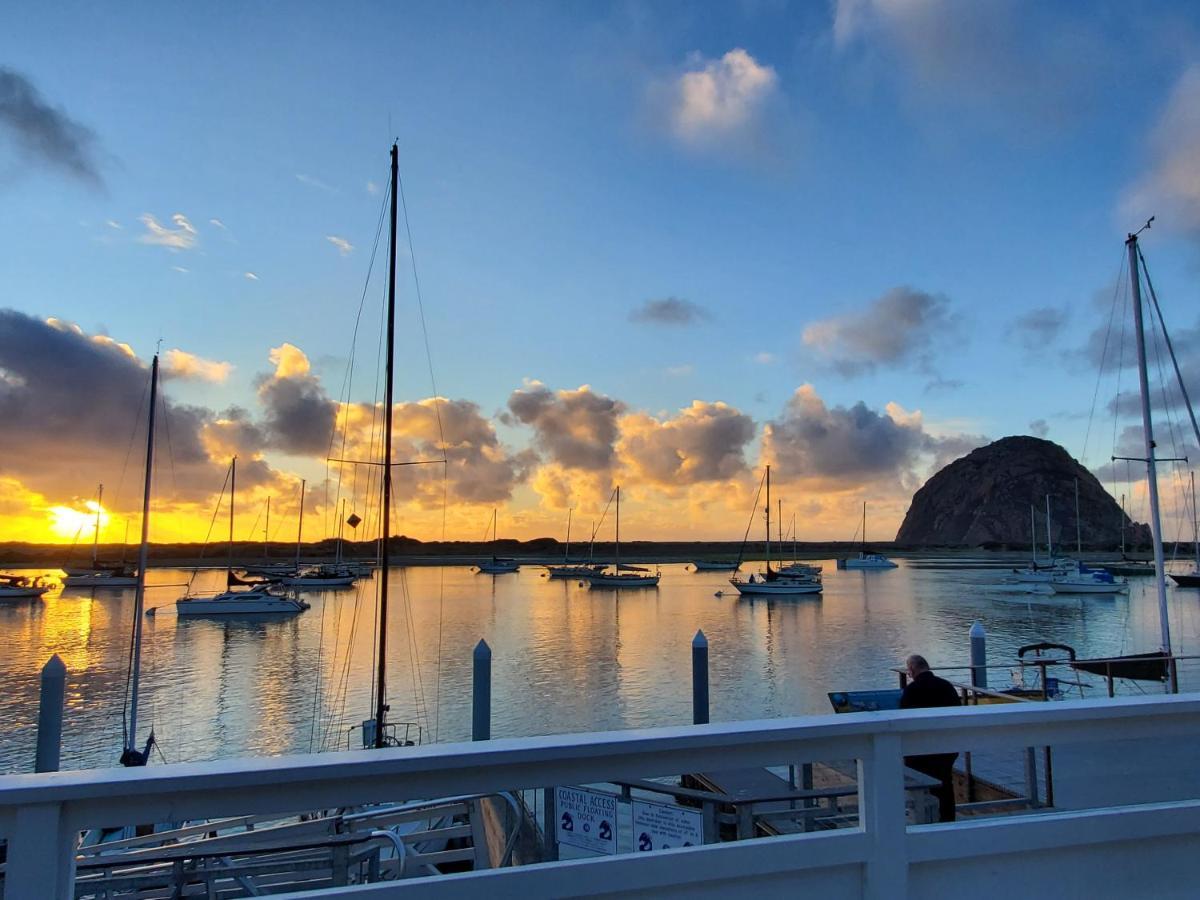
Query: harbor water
(566,658)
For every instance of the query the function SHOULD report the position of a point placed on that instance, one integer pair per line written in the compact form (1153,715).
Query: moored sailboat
(497,565)
(1191,579)
(866,559)
(621,576)
(774,581)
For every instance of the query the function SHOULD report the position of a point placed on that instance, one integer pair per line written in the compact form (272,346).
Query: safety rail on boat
(882,855)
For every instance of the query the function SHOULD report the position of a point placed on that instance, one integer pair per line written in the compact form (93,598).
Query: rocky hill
(984,498)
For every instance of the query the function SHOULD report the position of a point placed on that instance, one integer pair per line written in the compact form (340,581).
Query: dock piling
(50,715)
(978,656)
(699,679)
(481,693)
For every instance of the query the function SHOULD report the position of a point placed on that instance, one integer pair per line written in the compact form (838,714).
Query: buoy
(719,594)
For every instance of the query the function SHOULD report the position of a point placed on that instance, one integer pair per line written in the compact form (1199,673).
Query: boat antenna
(130,756)
(381,706)
(1151,470)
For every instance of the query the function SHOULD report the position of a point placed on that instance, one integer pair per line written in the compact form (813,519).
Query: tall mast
(1195,521)
(139,595)
(381,706)
(864,526)
(617,554)
(1049,540)
(567,552)
(267,532)
(779,525)
(768,520)
(1151,468)
(300,523)
(1079,525)
(1033,535)
(1122,526)
(794,538)
(96,536)
(232,492)
(341,520)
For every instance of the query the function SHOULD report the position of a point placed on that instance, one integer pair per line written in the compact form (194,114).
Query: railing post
(979,677)
(881,814)
(41,855)
(699,679)
(550,824)
(50,715)
(481,694)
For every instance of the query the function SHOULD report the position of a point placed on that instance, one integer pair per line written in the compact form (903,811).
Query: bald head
(916,664)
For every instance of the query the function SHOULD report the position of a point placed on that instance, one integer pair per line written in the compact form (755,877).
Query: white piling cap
(977,631)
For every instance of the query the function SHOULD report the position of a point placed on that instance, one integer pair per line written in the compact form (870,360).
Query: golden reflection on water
(566,657)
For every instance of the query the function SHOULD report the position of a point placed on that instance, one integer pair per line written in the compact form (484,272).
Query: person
(924,689)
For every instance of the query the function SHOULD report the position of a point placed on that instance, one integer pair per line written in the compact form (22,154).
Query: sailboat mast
(267,532)
(768,519)
(1151,468)
(139,595)
(1033,534)
(567,552)
(381,706)
(1049,540)
(96,536)
(617,553)
(300,523)
(1079,525)
(1195,521)
(864,526)
(232,492)
(1123,526)
(341,521)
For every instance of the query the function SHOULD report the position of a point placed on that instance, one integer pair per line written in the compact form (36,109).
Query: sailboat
(866,560)
(1083,579)
(1038,572)
(621,576)
(773,581)
(266,567)
(1191,579)
(795,567)
(99,575)
(319,576)
(568,569)
(498,565)
(21,587)
(258,599)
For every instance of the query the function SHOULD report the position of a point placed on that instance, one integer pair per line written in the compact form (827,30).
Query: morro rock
(984,499)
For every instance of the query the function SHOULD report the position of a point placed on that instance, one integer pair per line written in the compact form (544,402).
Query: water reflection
(566,658)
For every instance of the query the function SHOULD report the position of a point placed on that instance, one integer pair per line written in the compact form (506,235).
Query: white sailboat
(98,575)
(621,576)
(774,581)
(568,569)
(315,577)
(1191,579)
(497,565)
(258,599)
(1038,572)
(865,559)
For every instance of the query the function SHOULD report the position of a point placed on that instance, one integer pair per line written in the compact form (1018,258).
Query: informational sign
(587,819)
(660,826)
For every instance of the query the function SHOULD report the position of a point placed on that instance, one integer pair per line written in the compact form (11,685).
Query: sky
(648,244)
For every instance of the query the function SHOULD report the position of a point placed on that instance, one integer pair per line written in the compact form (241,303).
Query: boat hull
(623,581)
(101,581)
(1191,580)
(245,603)
(1060,587)
(775,590)
(867,564)
(30,593)
(568,572)
(701,565)
(319,581)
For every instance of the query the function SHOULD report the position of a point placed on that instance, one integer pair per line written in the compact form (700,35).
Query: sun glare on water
(67,522)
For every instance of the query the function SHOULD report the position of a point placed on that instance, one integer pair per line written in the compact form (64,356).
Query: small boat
(1130,568)
(497,565)
(776,581)
(259,600)
(865,559)
(715,565)
(1151,666)
(22,587)
(621,576)
(320,577)
(102,578)
(270,570)
(1089,581)
(1191,579)
(571,571)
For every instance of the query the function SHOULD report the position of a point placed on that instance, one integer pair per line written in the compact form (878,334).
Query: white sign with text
(586,819)
(660,826)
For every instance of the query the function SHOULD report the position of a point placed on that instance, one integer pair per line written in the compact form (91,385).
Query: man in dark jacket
(924,689)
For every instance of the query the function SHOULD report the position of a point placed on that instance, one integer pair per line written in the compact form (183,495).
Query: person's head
(916,664)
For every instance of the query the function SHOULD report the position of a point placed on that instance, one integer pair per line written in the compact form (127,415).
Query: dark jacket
(928,690)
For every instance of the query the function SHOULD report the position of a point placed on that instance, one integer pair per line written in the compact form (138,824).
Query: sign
(586,819)
(660,826)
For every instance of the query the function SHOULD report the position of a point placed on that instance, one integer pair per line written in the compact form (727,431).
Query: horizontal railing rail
(41,815)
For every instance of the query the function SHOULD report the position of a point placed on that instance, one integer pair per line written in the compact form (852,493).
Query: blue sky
(773,166)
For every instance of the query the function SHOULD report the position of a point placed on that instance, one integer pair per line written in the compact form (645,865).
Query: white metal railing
(41,815)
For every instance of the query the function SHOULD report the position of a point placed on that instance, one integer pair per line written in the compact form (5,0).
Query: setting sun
(68,522)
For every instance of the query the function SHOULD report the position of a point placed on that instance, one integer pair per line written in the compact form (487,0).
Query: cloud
(898,329)
(730,105)
(181,364)
(80,399)
(114,224)
(841,447)
(372,187)
(182,237)
(42,134)
(1039,428)
(343,246)
(181,269)
(315,183)
(682,371)
(1028,61)
(250,276)
(1035,330)
(299,414)
(669,311)
(576,429)
(1170,188)
(704,442)
(764,358)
